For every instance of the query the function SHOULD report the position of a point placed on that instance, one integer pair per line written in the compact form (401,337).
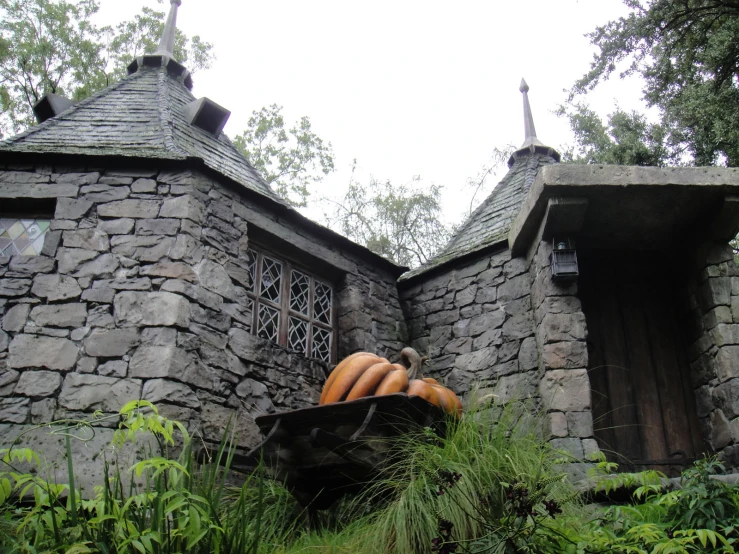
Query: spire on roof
(528,118)
(531,143)
(166,45)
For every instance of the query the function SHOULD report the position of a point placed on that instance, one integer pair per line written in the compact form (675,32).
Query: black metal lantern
(564,260)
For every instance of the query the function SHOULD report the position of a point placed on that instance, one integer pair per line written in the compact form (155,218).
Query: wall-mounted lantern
(564,259)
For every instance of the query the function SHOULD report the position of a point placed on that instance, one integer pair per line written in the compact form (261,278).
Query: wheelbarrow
(324,452)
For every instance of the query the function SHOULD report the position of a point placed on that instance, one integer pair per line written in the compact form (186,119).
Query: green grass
(490,485)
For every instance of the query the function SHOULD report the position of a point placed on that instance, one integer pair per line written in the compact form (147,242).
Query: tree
(482,184)
(687,51)
(291,160)
(626,139)
(52,46)
(402,223)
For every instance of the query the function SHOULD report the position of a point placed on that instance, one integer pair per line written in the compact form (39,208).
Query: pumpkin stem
(412,361)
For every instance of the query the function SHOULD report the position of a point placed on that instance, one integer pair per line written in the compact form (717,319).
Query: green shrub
(490,484)
(181,506)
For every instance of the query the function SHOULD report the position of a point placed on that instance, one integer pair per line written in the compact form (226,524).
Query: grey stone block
(38,383)
(580,424)
(111,343)
(71,259)
(726,397)
(151,309)
(562,327)
(518,327)
(560,355)
(15,318)
(571,446)
(100,295)
(95,392)
(214,277)
(486,321)
(724,334)
(163,390)
(8,379)
(215,420)
(477,361)
(60,315)
(135,209)
(40,351)
(88,239)
(14,410)
(714,292)
(255,394)
(514,288)
(528,355)
(565,390)
(157,226)
(727,363)
(76,178)
(31,265)
(557,424)
(71,208)
(184,207)
(14,287)
(117,226)
(99,267)
(142,248)
(100,194)
(144,186)
(114,368)
(194,292)
(171,362)
(51,243)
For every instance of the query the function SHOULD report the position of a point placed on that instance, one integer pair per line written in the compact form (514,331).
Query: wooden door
(642,400)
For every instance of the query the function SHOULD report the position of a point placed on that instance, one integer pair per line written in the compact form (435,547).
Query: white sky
(408,87)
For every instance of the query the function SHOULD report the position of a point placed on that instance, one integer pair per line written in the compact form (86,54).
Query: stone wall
(713,299)
(561,339)
(140,293)
(476,323)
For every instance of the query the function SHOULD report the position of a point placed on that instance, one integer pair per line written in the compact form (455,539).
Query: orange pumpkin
(364,374)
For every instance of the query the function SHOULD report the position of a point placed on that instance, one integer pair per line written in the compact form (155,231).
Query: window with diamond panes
(22,236)
(290,307)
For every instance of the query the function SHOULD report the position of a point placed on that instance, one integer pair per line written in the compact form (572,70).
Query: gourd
(365,374)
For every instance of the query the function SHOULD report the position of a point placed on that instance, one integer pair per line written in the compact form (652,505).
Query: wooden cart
(324,452)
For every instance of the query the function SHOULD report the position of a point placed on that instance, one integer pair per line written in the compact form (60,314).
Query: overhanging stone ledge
(632,205)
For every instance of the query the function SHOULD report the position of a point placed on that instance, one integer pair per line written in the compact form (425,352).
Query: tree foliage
(687,51)
(53,46)
(627,138)
(291,160)
(400,222)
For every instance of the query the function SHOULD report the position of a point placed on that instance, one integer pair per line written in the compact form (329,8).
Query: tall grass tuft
(179,505)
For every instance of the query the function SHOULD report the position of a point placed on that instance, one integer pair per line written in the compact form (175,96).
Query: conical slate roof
(490,223)
(141,116)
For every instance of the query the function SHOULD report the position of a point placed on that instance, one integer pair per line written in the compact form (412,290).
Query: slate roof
(490,222)
(140,116)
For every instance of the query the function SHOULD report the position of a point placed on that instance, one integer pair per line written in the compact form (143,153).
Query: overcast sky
(407,87)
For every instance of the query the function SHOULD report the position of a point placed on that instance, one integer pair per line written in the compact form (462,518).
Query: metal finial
(528,119)
(166,45)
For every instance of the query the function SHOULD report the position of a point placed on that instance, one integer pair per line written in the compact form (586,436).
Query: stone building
(607,293)
(141,256)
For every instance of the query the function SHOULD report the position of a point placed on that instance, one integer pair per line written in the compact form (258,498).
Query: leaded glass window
(22,236)
(290,307)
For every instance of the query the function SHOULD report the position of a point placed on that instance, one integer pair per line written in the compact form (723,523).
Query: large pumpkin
(364,374)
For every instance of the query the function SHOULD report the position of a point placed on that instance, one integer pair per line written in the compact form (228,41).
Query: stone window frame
(283,304)
(28,209)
